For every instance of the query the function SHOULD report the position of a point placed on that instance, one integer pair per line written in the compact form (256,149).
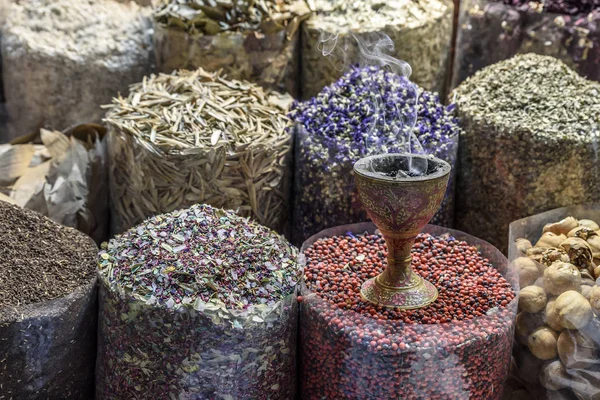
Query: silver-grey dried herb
(62,59)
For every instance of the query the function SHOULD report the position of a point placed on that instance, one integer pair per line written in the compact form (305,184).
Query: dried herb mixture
(530,129)
(210,17)
(492,31)
(222,289)
(197,137)
(254,40)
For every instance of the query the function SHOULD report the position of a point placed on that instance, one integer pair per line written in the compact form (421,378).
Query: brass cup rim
(363,168)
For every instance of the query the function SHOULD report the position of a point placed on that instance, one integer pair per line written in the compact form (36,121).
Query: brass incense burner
(401,193)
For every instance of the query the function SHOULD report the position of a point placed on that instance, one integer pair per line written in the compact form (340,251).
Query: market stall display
(62,59)
(338,33)
(248,40)
(530,130)
(492,31)
(62,175)
(557,334)
(458,347)
(48,308)
(369,110)
(197,137)
(198,304)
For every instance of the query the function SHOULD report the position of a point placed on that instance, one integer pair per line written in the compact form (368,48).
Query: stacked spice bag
(558,327)
(62,59)
(48,308)
(531,127)
(420,32)
(492,31)
(456,348)
(197,137)
(368,110)
(250,40)
(198,304)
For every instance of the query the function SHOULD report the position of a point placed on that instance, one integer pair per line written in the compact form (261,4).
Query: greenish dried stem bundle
(251,40)
(196,137)
(531,128)
(420,30)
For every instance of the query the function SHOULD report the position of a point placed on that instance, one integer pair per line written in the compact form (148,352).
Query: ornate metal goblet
(401,193)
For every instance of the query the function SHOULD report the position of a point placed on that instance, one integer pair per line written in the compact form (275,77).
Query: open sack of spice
(492,31)
(198,303)
(557,349)
(62,175)
(48,308)
(456,348)
(529,139)
(63,59)
(196,137)
(369,110)
(334,37)
(246,39)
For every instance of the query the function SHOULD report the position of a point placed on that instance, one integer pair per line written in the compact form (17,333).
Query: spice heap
(61,175)
(205,299)
(421,32)
(196,137)
(249,40)
(368,110)
(47,307)
(456,348)
(492,31)
(530,126)
(558,329)
(62,59)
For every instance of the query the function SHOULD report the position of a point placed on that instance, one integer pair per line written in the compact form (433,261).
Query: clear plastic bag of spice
(492,31)
(267,59)
(459,360)
(49,348)
(62,175)
(198,352)
(324,191)
(557,338)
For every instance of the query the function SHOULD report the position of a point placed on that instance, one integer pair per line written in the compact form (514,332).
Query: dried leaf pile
(62,59)
(421,32)
(249,40)
(531,128)
(63,178)
(196,137)
(221,290)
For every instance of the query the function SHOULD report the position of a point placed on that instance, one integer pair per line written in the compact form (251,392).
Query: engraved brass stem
(400,207)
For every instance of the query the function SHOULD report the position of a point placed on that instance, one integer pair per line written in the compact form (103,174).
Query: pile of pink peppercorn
(456,348)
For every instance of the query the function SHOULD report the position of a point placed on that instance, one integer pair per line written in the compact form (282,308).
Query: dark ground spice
(456,348)
(41,260)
